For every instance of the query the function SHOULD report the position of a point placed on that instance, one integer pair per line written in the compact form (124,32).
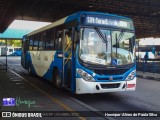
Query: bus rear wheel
(57,79)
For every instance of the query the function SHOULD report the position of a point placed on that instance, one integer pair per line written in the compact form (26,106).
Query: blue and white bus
(86,52)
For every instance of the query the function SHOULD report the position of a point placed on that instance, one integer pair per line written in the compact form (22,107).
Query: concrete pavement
(148,75)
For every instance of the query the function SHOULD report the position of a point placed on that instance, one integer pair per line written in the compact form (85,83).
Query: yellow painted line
(52,98)
(49,96)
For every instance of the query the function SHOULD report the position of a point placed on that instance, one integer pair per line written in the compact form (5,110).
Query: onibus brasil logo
(17,102)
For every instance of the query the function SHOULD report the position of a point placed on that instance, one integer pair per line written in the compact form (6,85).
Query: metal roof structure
(145,13)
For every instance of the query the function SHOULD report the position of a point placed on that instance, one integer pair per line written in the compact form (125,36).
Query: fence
(150,65)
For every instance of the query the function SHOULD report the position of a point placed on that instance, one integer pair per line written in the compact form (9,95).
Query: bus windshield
(106,47)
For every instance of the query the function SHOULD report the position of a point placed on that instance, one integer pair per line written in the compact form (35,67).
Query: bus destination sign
(103,21)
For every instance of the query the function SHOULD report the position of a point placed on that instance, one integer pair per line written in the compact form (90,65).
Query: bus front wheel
(57,79)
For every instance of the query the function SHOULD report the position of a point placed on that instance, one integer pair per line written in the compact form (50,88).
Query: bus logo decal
(110,78)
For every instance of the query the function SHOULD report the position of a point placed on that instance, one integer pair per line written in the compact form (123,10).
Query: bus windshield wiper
(120,35)
(104,38)
(118,38)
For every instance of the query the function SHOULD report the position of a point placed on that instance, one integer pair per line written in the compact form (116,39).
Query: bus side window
(35,43)
(10,50)
(42,41)
(58,40)
(30,43)
(49,40)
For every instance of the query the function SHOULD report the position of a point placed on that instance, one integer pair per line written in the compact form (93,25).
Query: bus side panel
(57,62)
(29,62)
(43,62)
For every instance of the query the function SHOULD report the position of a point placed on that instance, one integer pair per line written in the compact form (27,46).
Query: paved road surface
(145,98)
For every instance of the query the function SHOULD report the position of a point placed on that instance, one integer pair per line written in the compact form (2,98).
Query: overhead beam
(7,17)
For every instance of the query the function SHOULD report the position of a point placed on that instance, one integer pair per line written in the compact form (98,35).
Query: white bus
(16,51)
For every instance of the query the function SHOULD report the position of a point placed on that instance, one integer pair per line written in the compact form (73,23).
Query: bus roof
(75,16)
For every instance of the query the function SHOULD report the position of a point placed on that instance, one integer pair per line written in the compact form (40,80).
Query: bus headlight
(85,75)
(131,76)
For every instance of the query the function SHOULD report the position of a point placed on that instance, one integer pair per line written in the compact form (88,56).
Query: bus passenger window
(41,42)
(35,46)
(10,50)
(58,44)
(58,40)
(35,43)
(30,43)
(49,40)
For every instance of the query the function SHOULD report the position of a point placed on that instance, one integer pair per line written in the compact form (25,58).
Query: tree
(14,43)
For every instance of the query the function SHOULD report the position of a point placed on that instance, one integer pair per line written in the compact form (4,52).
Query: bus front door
(67,59)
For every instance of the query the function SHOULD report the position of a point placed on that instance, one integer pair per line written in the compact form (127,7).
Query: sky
(23,24)
(18,28)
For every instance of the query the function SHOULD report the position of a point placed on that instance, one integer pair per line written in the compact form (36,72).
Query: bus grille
(111,72)
(108,86)
(117,78)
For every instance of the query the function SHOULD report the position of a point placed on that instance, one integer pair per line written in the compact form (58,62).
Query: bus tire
(57,79)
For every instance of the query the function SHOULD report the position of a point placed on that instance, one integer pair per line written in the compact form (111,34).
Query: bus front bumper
(85,87)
